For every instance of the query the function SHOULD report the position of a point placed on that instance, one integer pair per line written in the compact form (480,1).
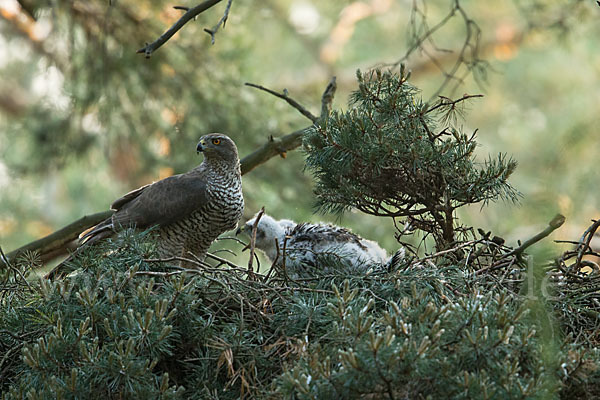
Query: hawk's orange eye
(216,141)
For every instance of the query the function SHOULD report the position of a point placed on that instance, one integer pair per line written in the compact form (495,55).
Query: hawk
(305,246)
(190,210)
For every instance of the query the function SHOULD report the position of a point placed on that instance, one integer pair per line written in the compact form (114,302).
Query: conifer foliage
(126,326)
(392,155)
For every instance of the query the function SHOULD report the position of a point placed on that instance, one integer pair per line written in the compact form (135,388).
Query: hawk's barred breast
(220,214)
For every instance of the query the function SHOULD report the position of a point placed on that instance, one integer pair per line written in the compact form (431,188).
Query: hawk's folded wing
(161,203)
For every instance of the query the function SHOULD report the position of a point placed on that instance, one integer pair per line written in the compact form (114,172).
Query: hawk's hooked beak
(200,147)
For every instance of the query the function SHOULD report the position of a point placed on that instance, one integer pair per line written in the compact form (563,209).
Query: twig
(279,146)
(452,250)
(327,98)
(586,245)
(14,269)
(149,48)
(274,261)
(422,40)
(553,225)
(202,266)
(7,356)
(158,273)
(444,101)
(253,241)
(170,259)
(288,99)
(273,264)
(212,32)
(225,251)
(3,257)
(283,255)
(222,260)
(231,238)
(12,335)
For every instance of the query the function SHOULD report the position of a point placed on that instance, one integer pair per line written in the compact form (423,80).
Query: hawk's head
(217,146)
(268,231)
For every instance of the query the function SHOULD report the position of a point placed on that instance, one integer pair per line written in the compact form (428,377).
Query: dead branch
(253,241)
(288,99)
(149,48)
(223,261)
(512,256)
(422,39)
(327,97)
(445,102)
(279,146)
(584,242)
(553,225)
(60,239)
(213,31)
(272,148)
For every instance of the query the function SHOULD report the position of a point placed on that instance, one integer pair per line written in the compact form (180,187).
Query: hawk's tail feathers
(86,238)
(96,232)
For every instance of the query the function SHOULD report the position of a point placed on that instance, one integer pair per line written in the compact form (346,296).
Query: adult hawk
(190,209)
(307,246)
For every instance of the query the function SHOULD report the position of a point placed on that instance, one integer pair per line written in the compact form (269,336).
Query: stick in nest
(253,241)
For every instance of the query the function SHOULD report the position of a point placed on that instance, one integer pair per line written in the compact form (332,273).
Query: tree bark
(57,243)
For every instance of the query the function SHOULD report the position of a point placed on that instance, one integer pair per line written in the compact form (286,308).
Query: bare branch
(60,239)
(553,225)
(253,242)
(212,32)
(222,260)
(273,147)
(327,98)
(288,99)
(444,102)
(584,242)
(3,257)
(149,48)
(422,37)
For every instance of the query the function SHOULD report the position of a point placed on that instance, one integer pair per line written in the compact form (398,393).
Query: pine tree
(392,155)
